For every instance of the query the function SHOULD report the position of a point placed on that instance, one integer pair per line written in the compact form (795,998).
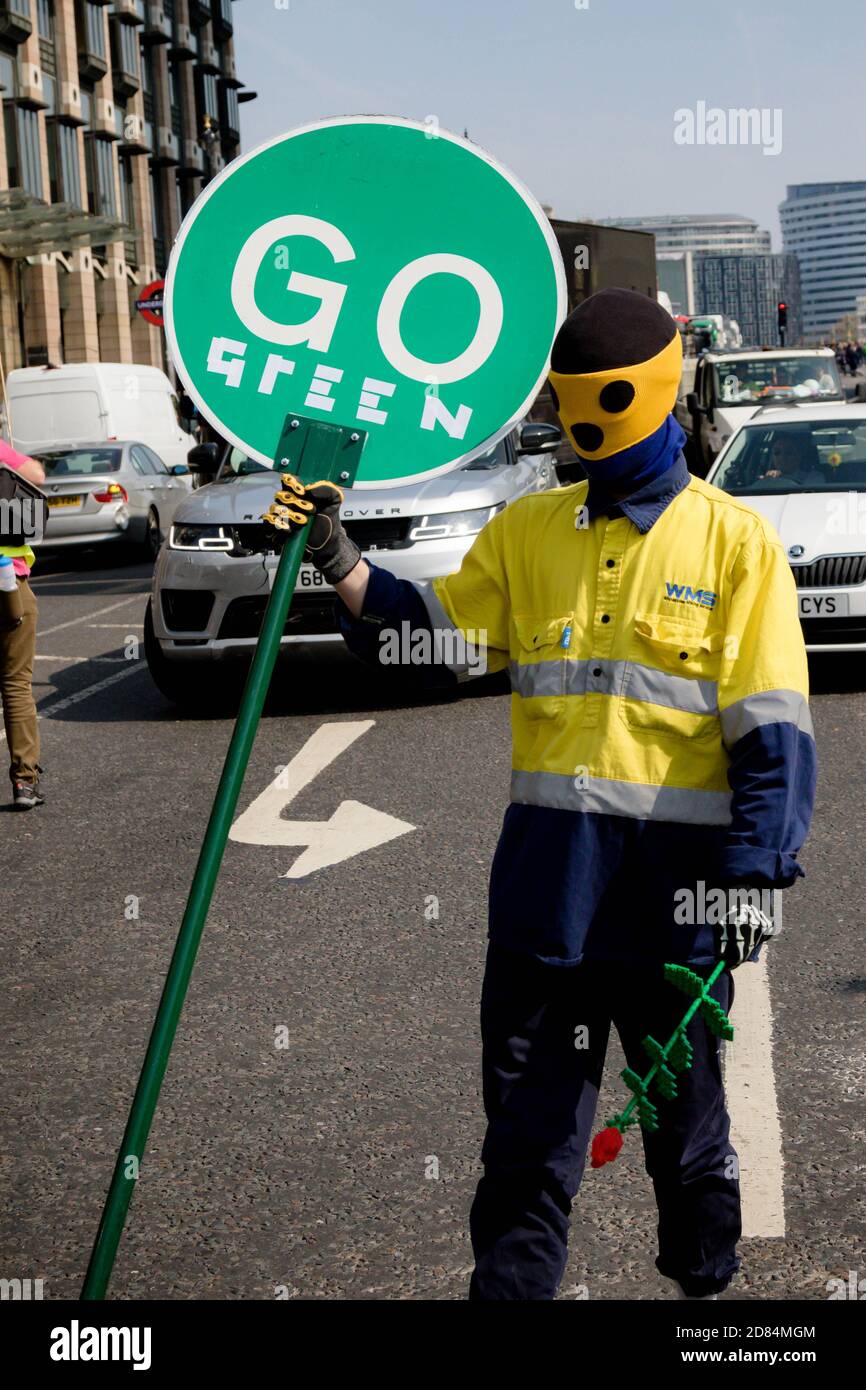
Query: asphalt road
(307,1169)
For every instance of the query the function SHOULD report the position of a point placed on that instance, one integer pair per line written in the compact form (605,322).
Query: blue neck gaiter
(633,468)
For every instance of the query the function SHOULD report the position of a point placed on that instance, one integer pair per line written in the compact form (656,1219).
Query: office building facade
(114,117)
(824,225)
(716,232)
(750,289)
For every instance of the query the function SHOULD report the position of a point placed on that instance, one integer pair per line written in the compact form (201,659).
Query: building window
(178,124)
(91,39)
(99,164)
(63,163)
(62,146)
(158,224)
(125,54)
(22,148)
(103,153)
(45,19)
(7,73)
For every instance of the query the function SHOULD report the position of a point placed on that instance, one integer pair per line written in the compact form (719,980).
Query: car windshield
(491,458)
(821,456)
(745,380)
(239,464)
(81,462)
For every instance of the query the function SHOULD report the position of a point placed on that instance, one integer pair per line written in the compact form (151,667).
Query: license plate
(308,578)
(311,578)
(823,605)
(74,500)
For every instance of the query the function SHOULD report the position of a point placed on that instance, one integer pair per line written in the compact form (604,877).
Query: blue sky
(579,102)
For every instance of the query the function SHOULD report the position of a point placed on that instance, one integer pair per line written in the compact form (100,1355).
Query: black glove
(328,546)
(742,931)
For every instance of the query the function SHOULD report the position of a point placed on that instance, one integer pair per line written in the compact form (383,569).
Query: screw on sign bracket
(316,449)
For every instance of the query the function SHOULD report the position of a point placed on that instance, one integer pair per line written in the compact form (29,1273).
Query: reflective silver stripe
(607,677)
(539,678)
(768,707)
(448,638)
(675,692)
(602,796)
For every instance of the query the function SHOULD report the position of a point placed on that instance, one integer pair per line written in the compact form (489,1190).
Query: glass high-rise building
(115,115)
(824,225)
(750,289)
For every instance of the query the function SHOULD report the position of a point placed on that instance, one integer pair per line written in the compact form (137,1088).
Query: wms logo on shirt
(684,593)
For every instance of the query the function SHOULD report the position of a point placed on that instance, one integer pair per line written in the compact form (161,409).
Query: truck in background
(595,258)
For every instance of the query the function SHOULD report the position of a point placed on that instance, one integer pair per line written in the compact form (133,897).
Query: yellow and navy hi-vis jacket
(657,678)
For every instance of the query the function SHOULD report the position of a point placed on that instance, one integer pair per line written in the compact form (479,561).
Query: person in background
(17,652)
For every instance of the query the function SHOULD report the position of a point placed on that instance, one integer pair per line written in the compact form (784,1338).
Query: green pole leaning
(312,450)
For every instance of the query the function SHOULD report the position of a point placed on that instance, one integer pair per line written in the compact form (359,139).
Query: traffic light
(782,310)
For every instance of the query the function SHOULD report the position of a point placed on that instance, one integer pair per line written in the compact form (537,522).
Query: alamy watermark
(740,125)
(22,516)
(700,905)
(462,652)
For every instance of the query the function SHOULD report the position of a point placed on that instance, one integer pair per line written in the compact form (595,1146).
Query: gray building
(698,232)
(749,289)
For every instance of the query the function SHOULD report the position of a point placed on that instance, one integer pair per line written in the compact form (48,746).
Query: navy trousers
(540,1094)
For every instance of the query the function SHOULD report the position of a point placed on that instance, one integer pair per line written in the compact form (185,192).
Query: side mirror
(179,470)
(692,405)
(539,439)
(204,458)
(860,393)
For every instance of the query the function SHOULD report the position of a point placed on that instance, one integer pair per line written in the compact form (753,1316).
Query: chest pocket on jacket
(538,663)
(671,678)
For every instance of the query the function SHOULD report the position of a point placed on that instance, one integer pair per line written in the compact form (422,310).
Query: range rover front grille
(374,533)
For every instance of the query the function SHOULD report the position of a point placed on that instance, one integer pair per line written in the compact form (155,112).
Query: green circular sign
(373,272)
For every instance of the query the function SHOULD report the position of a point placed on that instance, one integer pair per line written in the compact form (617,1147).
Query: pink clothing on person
(14,460)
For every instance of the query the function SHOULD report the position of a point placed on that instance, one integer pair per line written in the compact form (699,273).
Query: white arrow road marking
(352,829)
(750,1084)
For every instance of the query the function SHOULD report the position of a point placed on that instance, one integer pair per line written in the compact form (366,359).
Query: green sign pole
(312,450)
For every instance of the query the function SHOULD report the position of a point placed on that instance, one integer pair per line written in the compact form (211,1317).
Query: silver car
(103,494)
(213,577)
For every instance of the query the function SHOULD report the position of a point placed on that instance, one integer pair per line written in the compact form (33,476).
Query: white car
(804,468)
(212,580)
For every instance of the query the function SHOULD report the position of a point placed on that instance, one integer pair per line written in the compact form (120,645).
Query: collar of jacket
(644,507)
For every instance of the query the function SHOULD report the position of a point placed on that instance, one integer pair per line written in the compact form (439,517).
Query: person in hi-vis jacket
(663,758)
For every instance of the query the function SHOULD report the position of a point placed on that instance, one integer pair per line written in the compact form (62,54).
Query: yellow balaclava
(614,371)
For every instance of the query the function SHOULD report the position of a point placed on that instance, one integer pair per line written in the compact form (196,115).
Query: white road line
(85,617)
(49,711)
(42,583)
(123,626)
(77,660)
(750,1084)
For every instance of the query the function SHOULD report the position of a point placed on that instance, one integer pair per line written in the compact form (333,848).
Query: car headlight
(195,537)
(440,526)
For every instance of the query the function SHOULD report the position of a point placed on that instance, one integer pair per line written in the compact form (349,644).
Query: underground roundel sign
(374,273)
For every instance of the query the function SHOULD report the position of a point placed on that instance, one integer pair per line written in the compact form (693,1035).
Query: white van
(723,388)
(87,402)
